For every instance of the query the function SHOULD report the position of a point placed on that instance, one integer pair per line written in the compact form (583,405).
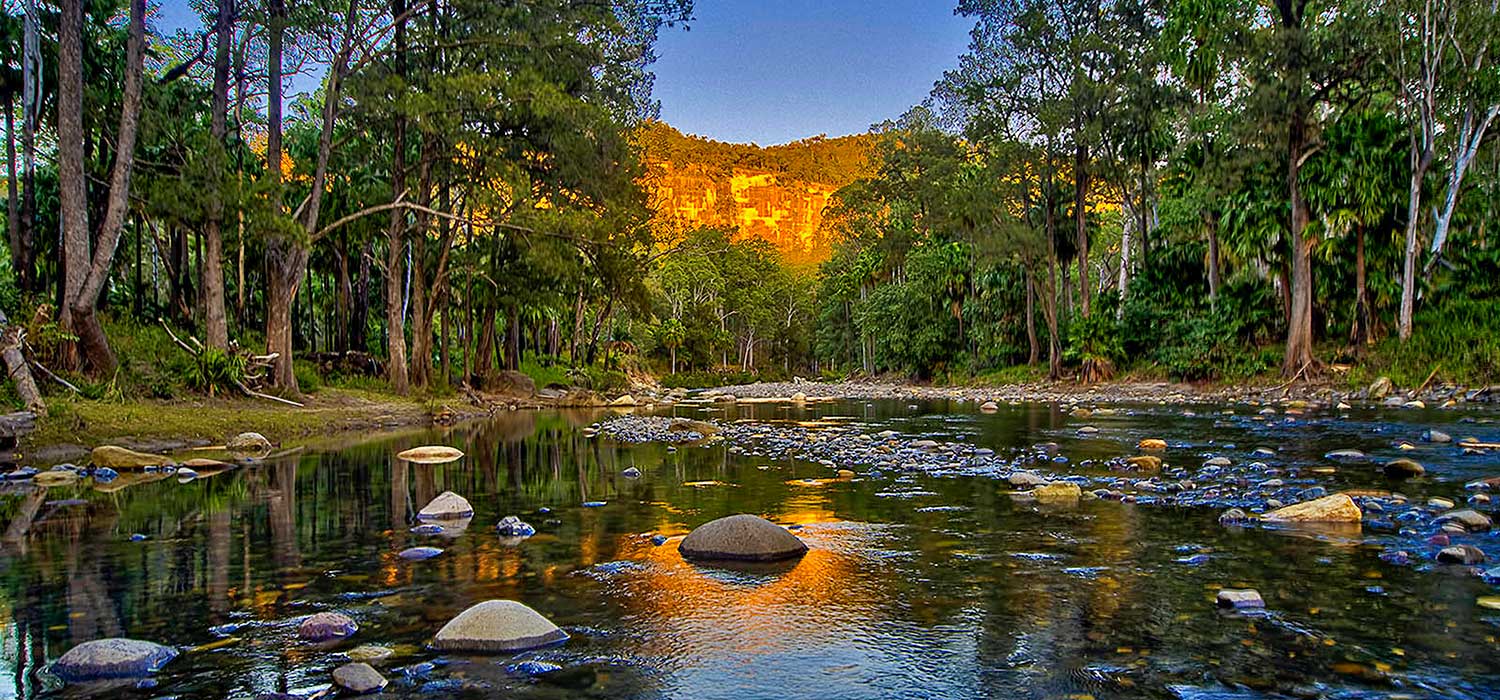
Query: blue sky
(772,71)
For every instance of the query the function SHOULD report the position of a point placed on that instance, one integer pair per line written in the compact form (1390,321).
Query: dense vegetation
(1184,188)
(1190,188)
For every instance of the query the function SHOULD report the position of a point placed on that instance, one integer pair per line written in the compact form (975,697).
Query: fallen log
(11,340)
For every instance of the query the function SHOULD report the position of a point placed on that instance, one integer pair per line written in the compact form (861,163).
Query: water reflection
(913,587)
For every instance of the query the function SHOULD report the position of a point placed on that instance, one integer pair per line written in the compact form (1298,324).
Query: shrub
(308,379)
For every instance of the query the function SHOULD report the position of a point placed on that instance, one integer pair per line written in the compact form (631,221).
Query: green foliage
(699,380)
(308,378)
(545,371)
(214,371)
(1459,337)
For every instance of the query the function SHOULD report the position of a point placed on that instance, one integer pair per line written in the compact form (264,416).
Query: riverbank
(1115,392)
(75,425)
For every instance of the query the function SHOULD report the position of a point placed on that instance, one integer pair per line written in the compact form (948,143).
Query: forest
(1189,189)
(433,191)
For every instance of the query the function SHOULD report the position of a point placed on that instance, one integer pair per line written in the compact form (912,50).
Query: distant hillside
(776,193)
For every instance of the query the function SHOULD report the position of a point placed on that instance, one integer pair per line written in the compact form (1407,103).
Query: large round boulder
(447,506)
(741,537)
(498,626)
(112,658)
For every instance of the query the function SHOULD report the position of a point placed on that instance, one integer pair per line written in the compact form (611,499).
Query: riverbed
(926,577)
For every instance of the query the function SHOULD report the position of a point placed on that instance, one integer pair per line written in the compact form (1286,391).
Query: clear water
(914,586)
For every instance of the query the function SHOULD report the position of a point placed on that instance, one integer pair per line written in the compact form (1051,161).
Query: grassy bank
(75,421)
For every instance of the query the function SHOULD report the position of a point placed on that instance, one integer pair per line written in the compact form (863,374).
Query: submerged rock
(112,658)
(121,458)
(1436,436)
(498,626)
(1240,598)
(419,553)
(1234,516)
(447,506)
(1057,491)
(64,477)
(369,653)
(358,678)
(1338,508)
(741,537)
(1347,456)
(326,627)
(513,526)
(1403,469)
(1465,554)
(1145,462)
(989,407)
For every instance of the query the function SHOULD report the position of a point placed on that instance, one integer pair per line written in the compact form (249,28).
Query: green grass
(545,374)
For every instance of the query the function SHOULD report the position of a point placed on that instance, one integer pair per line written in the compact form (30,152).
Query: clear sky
(772,71)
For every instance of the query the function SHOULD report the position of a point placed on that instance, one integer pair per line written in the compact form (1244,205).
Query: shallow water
(915,586)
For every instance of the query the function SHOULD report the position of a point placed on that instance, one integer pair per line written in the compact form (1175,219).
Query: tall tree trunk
(1034,352)
(1081,218)
(72,187)
(484,349)
(359,316)
(1299,338)
(215,325)
(513,338)
(396,370)
(1211,219)
(1049,302)
(31,98)
(13,199)
(344,298)
(1360,333)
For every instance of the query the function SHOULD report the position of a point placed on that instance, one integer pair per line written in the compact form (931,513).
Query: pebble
(358,678)
(513,526)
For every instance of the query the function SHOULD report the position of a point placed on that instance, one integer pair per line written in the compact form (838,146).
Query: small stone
(447,506)
(741,537)
(1347,456)
(624,400)
(1338,508)
(369,653)
(1470,520)
(358,678)
(989,407)
(513,526)
(419,553)
(1403,469)
(1414,404)
(111,658)
(1234,516)
(1442,503)
(1024,479)
(1218,462)
(326,627)
(498,626)
(248,442)
(1436,436)
(1151,444)
(1465,554)
(1240,598)
(55,478)
(1145,462)
(532,668)
(1088,430)
(1379,388)
(799,397)
(631,473)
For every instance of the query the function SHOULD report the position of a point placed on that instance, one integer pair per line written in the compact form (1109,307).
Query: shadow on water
(942,588)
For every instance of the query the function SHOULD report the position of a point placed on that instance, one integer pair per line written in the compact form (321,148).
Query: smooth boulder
(102,659)
(447,506)
(498,626)
(120,458)
(1465,554)
(624,400)
(248,442)
(1338,508)
(1151,444)
(1470,520)
(358,678)
(1403,469)
(1240,598)
(741,537)
(431,454)
(1057,491)
(1144,462)
(326,627)
(989,407)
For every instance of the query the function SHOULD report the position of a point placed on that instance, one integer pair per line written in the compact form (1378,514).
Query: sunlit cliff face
(784,211)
